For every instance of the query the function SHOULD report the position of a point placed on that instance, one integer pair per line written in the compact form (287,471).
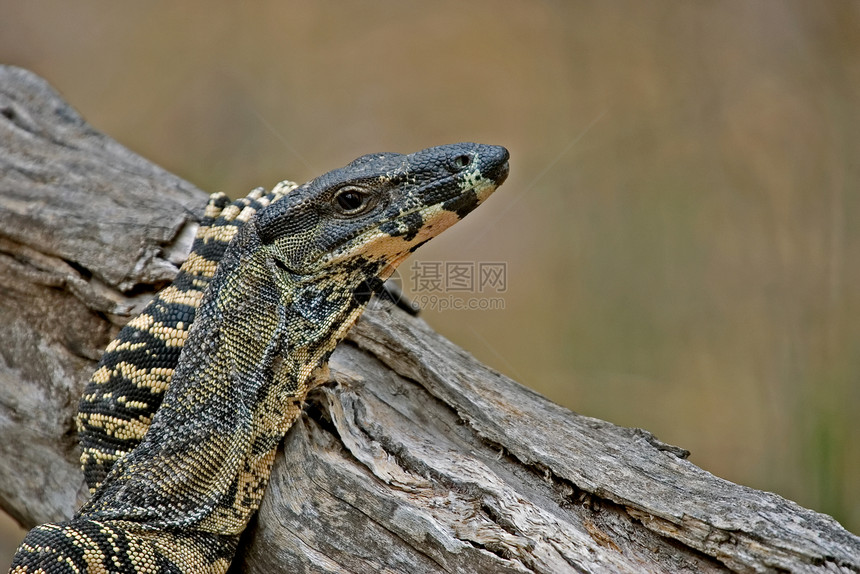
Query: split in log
(414,457)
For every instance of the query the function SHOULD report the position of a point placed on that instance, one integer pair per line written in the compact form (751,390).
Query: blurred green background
(680,226)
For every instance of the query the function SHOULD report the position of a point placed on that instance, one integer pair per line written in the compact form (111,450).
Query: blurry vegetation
(680,224)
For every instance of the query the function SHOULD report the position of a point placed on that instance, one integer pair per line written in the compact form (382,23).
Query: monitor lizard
(227,353)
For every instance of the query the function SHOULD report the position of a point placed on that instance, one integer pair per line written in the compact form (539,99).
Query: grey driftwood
(413,458)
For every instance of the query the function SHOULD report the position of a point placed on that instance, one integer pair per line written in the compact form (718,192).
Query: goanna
(292,281)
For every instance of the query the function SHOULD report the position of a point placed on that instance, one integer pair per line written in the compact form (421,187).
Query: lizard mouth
(479,174)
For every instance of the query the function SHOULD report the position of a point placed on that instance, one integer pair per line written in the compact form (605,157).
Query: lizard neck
(290,347)
(259,341)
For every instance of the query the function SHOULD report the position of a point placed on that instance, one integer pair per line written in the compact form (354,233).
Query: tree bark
(414,457)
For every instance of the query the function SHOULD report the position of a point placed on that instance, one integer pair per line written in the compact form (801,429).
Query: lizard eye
(460,162)
(351,200)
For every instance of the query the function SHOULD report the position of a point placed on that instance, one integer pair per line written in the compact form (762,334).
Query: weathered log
(413,458)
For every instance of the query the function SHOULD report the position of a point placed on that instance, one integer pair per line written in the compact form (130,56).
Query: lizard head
(371,214)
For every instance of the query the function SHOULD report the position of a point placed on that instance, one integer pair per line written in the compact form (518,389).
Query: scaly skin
(291,283)
(128,385)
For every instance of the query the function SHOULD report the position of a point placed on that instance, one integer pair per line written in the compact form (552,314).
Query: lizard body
(127,388)
(293,280)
